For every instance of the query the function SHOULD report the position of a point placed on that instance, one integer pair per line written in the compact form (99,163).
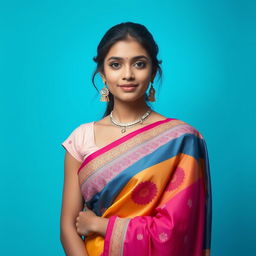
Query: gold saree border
(120,149)
(118,236)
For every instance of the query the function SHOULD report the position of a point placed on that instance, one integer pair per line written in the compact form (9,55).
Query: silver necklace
(125,125)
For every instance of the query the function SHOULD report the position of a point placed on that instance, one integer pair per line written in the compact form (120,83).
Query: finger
(80,213)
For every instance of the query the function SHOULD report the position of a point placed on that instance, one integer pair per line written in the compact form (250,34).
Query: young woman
(136,182)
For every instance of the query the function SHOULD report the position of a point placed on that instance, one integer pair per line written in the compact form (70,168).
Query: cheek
(143,76)
(112,76)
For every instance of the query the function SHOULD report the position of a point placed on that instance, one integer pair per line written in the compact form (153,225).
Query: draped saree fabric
(154,186)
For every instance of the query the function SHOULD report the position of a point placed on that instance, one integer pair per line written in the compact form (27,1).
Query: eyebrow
(133,58)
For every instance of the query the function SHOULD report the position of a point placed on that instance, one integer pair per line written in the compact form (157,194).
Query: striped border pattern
(98,178)
(115,152)
(118,236)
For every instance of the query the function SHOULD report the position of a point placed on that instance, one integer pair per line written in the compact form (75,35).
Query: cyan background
(46,51)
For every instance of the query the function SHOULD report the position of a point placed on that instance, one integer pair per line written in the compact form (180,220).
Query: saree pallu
(154,186)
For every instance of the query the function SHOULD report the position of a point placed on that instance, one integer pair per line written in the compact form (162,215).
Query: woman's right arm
(72,203)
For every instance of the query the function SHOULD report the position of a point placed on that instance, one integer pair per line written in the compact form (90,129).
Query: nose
(128,73)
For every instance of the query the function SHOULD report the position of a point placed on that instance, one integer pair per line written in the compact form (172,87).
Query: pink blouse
(81,143)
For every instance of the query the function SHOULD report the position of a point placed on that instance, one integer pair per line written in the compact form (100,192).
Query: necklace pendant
(124,125)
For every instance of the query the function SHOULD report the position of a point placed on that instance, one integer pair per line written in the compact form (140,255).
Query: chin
(130,98)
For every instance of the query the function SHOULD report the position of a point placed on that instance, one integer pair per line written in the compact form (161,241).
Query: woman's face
(127,70)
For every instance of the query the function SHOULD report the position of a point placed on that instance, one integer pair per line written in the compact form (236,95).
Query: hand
(85,221)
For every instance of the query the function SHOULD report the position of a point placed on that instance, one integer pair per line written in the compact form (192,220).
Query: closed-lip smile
(128,85)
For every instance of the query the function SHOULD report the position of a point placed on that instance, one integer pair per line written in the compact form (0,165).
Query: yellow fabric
(94,245)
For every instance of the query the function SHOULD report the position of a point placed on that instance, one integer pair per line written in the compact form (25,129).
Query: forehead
(126,49)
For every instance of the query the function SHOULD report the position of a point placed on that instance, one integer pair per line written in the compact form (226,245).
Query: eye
(114,65)
(140,64)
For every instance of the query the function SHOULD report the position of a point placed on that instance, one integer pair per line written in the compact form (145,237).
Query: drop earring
(152,91)
(104,92)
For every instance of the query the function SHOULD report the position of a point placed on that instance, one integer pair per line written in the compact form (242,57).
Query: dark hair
(121,32)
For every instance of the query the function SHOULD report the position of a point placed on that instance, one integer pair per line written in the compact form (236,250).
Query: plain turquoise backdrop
(46,50)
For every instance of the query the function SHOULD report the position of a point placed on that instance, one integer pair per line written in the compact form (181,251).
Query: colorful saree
(154,186)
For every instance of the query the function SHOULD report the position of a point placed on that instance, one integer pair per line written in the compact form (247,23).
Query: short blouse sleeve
(73,143)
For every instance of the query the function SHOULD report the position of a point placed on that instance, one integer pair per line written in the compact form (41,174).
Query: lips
(128,85)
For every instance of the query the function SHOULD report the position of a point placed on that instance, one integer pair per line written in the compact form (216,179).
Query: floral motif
(163,237)
(177,179)
(70,141)
(99,168)
(144,192)
(139,236)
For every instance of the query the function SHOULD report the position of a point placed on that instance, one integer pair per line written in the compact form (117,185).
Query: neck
(126,112)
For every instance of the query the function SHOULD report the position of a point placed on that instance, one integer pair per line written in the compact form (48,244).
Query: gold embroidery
(118,236)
